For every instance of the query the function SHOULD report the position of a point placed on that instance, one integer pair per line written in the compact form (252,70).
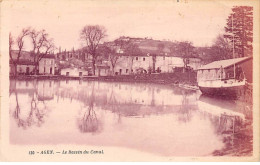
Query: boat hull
(233,92)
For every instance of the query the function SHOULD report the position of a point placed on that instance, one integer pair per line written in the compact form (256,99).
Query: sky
(192,21)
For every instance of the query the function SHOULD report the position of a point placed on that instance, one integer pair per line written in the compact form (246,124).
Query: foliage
(221,49)
(239,29)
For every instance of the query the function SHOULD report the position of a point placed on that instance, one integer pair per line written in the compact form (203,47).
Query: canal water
(152,118)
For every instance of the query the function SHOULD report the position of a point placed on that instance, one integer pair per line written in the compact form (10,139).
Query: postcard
(173,80)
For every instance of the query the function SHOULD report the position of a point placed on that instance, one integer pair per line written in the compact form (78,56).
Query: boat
(224,77)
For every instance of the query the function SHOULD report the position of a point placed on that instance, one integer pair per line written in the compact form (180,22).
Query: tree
(92,35)
(20,44)
(239,29)
(11,44)
(185,49)
(160,48)
(42,45)
(221,49)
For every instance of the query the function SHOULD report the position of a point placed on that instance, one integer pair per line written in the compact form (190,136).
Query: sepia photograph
(173,80)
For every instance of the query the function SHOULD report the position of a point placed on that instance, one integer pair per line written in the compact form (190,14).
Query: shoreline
(183,80)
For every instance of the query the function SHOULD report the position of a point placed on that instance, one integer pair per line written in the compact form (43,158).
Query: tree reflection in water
(89,121)
(35,115)
(129,106)
(237,136)
(234,128)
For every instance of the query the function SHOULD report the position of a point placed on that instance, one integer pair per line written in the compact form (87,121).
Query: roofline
(248,58)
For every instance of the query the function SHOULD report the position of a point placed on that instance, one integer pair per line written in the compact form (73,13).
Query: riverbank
(188,78)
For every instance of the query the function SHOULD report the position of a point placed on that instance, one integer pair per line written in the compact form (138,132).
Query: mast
(233,46)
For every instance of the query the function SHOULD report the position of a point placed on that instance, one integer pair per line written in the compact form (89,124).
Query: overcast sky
(197,22)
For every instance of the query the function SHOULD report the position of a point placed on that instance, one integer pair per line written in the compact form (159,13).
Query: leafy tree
(239,29)
(185,49)
(221,49)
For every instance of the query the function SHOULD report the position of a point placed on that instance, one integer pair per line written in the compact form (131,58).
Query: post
(233,39)
(234,71)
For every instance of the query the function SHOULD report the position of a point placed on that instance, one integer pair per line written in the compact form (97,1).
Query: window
(126,70)
(136,58)
(163,57)
(144,59)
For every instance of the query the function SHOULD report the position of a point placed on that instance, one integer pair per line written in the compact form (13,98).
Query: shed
(214,69)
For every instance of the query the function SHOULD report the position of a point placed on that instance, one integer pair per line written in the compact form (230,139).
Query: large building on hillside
(153,56)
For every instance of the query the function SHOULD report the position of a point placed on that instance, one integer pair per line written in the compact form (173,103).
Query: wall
(210,74)
(195,63)
(48,64)
(248,70)
(73,72)
(124,64)
(103,71)
(22,68)
(166,64)
(142,62)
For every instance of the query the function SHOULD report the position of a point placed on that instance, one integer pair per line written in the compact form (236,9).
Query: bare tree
(11,43)
(110,53)
(42,45)
(20,44)
(92,35)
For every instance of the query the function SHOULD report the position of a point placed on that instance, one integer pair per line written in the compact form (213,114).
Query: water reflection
(232,123)
(35,109)
(89,121)
(159,119)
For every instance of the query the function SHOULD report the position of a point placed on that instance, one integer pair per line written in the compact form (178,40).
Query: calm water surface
(152,118)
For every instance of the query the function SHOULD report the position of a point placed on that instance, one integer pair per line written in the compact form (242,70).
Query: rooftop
(48,56)
(224,63)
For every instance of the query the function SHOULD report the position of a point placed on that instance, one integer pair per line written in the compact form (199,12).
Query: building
(166,64)
(74,72)
(103,70)
(227,69)
(123,66)
(194,63)
(24,67)
(47,65)
(127,65)
(144,62)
